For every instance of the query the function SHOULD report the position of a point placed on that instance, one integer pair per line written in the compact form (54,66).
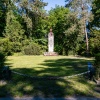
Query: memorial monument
(50,45)
(50,41)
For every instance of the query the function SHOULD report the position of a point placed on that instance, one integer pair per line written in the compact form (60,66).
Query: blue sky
(52,3)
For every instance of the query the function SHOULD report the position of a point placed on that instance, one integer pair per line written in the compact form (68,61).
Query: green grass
(48,66)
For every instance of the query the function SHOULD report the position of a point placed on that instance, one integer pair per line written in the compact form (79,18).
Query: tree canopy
(96,13)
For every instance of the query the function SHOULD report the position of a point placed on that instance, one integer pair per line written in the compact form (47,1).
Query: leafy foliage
(32,49)
(27,22)
(13,30)
(31,11)
(6,46)
(42,43)
(95,42)
(84,14)
(2,16)
(66,28)
(96,13)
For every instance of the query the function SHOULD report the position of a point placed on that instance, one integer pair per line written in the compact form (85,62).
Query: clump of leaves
(32,49)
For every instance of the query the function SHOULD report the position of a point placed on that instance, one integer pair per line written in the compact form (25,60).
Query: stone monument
(50,41)
(50,45)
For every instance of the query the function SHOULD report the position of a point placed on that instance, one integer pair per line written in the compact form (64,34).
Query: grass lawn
(48,66)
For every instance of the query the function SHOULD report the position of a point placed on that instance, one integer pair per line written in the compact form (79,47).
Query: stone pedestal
(50,54)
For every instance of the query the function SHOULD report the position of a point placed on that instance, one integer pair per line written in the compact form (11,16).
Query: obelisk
(50,45)
(50,41)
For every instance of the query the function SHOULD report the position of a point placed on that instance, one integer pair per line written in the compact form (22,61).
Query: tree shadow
(34,86)
(42,83)
(65,66)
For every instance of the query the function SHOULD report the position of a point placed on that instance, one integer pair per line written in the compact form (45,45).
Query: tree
(95,38)
(96,13)
(95,42)
(13,29)
(95,25)
(66,29)
(31,11)
(2,16)
(82,7)
(56,21)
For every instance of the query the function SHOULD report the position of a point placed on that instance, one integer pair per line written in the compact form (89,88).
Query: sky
(52,3)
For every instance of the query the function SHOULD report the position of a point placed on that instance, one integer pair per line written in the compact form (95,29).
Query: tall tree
(66,29)
(96,13)
(82,7)
(95,28)
(31,11)
(13,29)
(3,9)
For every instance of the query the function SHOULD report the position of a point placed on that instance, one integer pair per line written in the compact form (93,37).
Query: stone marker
(50,45)
(50,41)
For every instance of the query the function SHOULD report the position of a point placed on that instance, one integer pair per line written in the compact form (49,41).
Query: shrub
(6,46)
(26,42)
(16,47)
(32,49)
(97,65)
(43,43)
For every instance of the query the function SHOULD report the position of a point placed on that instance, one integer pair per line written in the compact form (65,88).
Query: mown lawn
(47,66)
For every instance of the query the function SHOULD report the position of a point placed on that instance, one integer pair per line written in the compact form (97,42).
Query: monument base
(50,54)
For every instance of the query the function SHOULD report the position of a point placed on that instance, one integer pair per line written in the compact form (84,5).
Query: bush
(43,43)
(32,49)
(6,46)
(97,65)
(16,47)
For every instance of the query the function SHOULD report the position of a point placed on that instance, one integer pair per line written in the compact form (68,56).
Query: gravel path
(40,98)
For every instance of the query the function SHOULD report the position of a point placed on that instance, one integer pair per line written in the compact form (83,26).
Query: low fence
(6,74)
(50,77)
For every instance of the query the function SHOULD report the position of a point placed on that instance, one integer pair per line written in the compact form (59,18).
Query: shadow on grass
(22,85)
(63,67)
